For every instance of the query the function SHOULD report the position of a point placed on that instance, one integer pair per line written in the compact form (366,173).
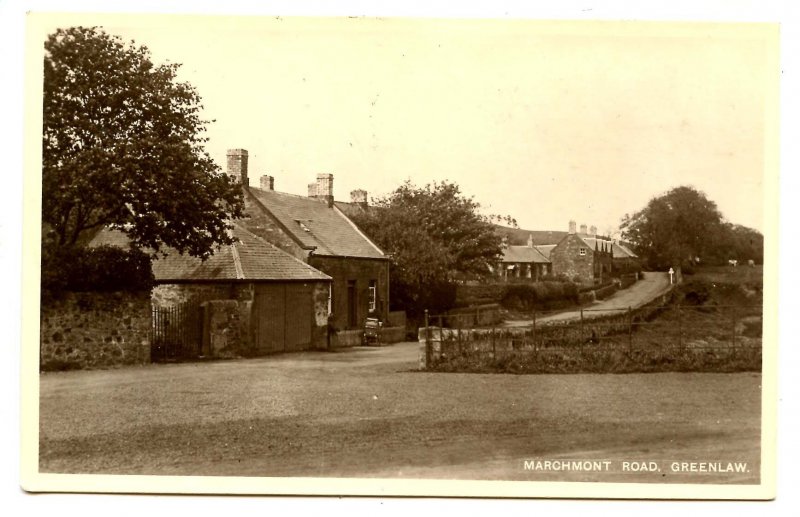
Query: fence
(177,333)
(667,333)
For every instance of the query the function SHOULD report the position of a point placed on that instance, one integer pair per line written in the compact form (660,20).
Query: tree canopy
(683,224)
(434,235)
(123,147)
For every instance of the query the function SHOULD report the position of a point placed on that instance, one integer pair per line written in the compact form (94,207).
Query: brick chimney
(530,240)
(267,182)
(237,165)
(583,229)
(572,226)
(359,197)
(323,188)
(593,231)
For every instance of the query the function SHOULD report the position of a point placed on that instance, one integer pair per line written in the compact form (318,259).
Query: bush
(105,268)
(531,296)
(697,292)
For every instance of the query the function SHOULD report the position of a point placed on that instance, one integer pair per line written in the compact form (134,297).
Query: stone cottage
(523,262)
(313,229)
(583,256)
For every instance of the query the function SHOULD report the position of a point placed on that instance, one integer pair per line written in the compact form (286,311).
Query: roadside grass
(606,360)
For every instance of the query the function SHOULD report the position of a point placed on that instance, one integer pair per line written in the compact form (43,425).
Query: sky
(542,121)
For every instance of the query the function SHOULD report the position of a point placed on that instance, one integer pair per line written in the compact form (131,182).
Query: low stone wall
(95,330)
(345,338)
(393,334)
(477,316)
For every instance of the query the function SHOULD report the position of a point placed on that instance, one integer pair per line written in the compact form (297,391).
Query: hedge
(105,268)
(530,296)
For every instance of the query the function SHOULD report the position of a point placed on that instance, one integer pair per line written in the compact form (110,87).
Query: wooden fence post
(733,310)
(534,329)
(680,329)
(630,329)
(580,337)
(427,341)
(494,347)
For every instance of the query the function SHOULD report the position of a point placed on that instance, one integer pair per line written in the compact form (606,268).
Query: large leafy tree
(123,147)
(674,227)
(434,235)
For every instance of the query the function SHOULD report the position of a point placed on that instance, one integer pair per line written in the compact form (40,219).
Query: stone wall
(567,260)
(95,330)
(226,328)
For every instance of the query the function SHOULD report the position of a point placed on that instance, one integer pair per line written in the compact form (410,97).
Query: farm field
(365,412)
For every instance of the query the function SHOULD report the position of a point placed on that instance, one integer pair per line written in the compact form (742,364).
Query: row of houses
(579,255)
(300,271)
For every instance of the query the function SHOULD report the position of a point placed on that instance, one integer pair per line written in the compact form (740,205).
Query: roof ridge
(299,196)
(237,262)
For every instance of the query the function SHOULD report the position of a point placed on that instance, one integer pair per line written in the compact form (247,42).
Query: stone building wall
(95,330)
(566,259)
(169,295)
(360,270)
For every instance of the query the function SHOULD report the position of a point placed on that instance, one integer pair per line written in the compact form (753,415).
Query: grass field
(365,412)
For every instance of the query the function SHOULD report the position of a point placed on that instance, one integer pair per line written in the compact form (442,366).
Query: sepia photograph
(332,255)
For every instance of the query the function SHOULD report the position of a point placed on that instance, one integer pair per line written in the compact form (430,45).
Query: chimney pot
(267,182)
(593,231)
(583,229)
(324,188)
(572,226)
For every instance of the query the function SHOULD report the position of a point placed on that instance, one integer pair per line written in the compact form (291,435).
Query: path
(645,290)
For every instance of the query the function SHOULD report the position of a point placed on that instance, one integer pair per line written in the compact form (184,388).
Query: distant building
(523,262)
(583,256)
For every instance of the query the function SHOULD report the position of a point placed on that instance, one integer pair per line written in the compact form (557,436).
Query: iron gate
(177,333)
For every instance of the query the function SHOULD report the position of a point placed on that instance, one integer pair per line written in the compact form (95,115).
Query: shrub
(105,268)
(696,292)
(530,296)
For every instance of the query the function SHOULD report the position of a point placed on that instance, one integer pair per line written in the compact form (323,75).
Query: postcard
(398,256)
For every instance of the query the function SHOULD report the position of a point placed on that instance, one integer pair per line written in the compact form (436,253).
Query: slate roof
(618,250)
(621,251)
(250,258)
(313,224)
(545,249)
(524,254)
(519,236)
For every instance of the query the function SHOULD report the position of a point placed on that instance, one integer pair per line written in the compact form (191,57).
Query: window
(582,252)
(373,295)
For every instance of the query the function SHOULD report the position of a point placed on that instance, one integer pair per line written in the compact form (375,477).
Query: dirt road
(365,412)
(640,293)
